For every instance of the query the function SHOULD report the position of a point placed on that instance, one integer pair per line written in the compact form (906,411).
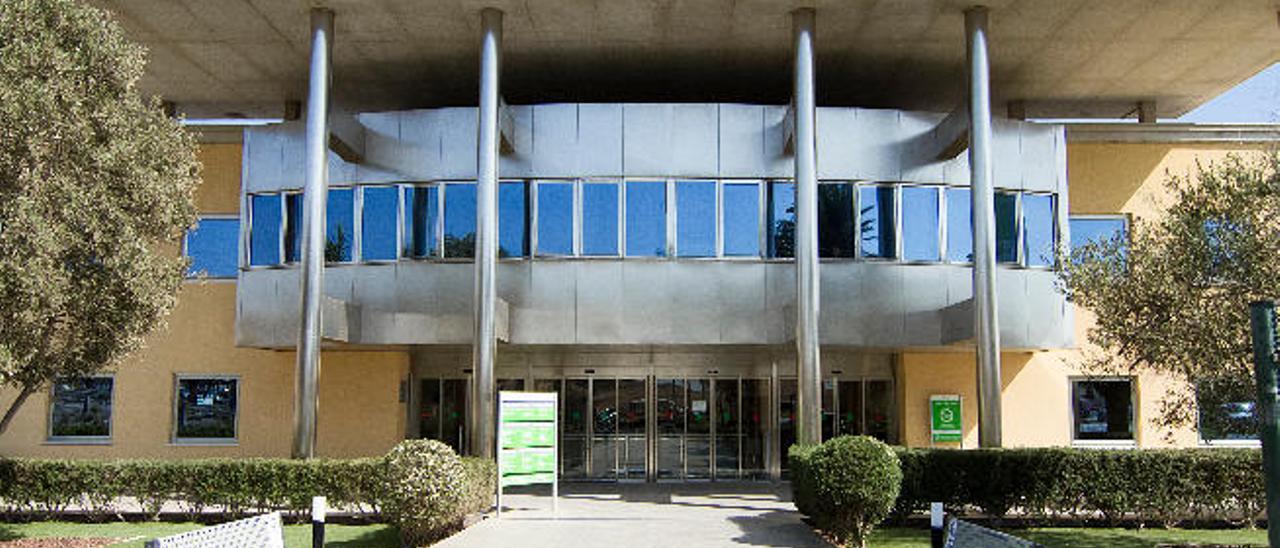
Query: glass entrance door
(710,428)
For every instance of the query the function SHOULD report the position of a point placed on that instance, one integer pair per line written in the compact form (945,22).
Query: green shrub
(1150,486)
(481,484)
(847,485)
(426,490)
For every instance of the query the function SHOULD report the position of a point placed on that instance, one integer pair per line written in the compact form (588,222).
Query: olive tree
(1173,297)
(96,188)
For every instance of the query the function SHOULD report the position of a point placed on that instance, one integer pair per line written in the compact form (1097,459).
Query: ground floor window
(206,409)
(80,409)
(1227,412)
(1102,409)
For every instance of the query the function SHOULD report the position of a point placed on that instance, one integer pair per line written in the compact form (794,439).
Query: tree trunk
(26,392)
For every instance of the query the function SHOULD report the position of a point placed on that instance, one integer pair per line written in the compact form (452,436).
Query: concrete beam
(262,110)
(1146,112)
(951,135)
(347,137)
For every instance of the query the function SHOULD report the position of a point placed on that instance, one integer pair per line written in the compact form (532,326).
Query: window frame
(1125,218)
(762,197)
(357,209)
(443,193)
(1055,234)
(246,231)
(437,243)
(1135,418)
(109,439)
(535,218)
(673,221)
(174,440)
(357,253)
(858,254)
(940,192)
(240,254)
(1219,442)
(579,212)
(669,251)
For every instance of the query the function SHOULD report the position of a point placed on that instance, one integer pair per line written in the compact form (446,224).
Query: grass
(137,534)
(1090,538)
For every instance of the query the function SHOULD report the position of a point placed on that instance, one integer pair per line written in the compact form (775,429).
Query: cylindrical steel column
(306,406)
(808,369)
(485,344)
(985,321)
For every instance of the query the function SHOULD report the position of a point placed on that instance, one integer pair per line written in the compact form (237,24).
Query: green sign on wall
(945,421)
(526,438)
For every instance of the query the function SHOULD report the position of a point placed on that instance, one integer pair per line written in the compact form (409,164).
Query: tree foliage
(1174,296)
(96,187)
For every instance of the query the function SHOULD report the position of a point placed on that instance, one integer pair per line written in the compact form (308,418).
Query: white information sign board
(528,447)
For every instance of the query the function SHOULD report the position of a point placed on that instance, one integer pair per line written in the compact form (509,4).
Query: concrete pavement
(644,515)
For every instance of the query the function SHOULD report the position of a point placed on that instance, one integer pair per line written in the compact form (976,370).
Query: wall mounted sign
(946,423)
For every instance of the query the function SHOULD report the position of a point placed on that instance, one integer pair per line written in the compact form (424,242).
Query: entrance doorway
(709,428)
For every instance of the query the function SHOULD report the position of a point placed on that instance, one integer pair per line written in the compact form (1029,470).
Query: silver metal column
(484,345)
(809,393)
(986,323)
(313,199)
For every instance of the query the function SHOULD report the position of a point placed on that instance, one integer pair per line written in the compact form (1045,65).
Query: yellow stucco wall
(360,413)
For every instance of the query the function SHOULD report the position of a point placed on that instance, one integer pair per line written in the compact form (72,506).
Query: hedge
(1149,486)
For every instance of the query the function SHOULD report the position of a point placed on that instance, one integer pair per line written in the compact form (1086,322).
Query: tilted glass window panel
(264,233)
(460,220)
(206,408)
(1038,229)
(920,223)
(876,222)
(421,212)
(1103,409)
(293,227)
(555,218)
(340,225)
(959,225)
(1085,230)
(696,218)
(212,247)
(513,221)
(600,219)
(81,408)
(378,221)
(741,219)
(646,219)
(782,219)
(1006,208)
(835,220)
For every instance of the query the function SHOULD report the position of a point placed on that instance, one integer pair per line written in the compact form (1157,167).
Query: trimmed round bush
(847,485)
(426,489)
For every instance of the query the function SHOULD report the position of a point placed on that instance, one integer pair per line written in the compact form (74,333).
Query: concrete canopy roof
(1061,57)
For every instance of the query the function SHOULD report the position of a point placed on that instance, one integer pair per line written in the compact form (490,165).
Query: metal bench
(265,531)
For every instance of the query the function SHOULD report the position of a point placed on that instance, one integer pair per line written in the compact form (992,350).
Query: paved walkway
(644,515)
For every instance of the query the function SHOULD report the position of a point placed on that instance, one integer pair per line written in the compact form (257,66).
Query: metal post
(485,344)
(1262,318)
(319,508)
(314,193)
(986,323)
(809,392)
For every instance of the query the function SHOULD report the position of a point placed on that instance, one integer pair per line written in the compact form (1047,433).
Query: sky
(1256,100)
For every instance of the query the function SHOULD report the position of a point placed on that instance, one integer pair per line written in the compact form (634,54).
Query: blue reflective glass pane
(212,247)
(421,209)
(378,223)
(782,219)
(959,225)
(1095,229)
(264,234)
(741,220)
(920,223)
(460,220)
(875,222)
(646,219)
(340,225)
(1006,207)
(1038,229)
(513,233)
(555,218)
(695,219)
(600,219)
(292,228)
(835,220)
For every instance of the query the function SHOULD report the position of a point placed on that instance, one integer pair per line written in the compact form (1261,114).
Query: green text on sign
(946,421)
(528,434)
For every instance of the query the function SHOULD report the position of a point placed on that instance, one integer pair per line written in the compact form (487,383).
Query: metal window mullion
(669,210)
(899,244)
(719,213)
(439,232)
(532,215)
(282,230)
(762,219)
(357,223)
(575,219)
(857,222)
(942,223)
(622,218)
